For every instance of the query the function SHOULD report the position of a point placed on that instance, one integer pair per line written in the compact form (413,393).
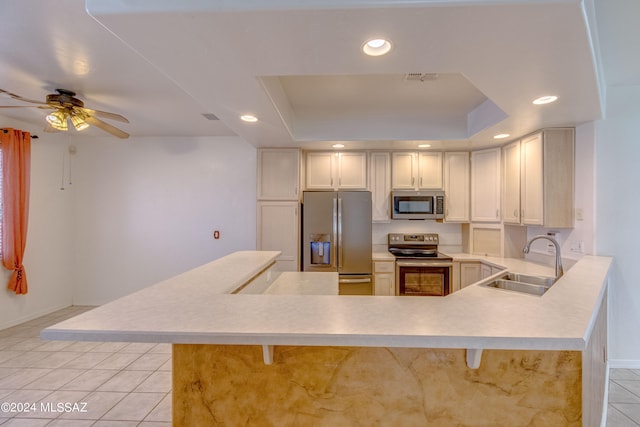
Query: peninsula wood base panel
(349,386)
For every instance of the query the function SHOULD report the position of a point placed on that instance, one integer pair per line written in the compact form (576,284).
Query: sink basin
(529,279)
(512,285)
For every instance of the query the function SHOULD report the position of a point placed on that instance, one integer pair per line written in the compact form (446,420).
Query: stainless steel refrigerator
(336,236)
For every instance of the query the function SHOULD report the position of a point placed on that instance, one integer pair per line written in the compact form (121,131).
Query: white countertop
(304,283)
(196,307)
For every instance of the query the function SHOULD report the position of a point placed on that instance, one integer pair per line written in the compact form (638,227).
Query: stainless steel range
(421,270)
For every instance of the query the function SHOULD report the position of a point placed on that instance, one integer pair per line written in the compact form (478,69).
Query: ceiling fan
(67,108)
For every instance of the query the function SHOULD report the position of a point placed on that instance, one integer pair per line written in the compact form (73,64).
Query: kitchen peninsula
(479,356)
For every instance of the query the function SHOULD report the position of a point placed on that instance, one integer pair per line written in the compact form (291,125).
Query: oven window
(423,281)
(417,205)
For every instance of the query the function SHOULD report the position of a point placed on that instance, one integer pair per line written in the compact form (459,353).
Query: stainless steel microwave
(417,204)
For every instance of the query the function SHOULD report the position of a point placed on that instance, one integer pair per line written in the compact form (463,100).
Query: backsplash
(450,234)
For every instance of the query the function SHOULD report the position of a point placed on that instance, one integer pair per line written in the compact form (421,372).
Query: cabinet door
(384,278)
(278,230)
(511,201)
(456,187)
(380,186)
(469,273)
(430,171)
(352,171)
(384,284)
(278,174)
(485,185)
(403,171)
(532,176)
(485,271)
(320,170)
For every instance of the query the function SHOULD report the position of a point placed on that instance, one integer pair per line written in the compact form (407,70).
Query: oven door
(423,278)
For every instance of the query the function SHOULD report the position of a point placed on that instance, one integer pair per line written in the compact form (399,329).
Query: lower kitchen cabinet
(384,278)
(278,230)
(469,273)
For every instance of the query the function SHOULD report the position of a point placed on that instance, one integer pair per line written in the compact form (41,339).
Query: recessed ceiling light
(249,118)
(501,136)
(338,145)
(376,47)
(424,145)
(545,99)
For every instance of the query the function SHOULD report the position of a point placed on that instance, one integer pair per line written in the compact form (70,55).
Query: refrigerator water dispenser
(320,246)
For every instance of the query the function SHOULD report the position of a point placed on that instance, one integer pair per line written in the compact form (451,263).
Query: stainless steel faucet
(559,270)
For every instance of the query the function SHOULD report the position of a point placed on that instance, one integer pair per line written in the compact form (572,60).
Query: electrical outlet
(579,214)
(577,246)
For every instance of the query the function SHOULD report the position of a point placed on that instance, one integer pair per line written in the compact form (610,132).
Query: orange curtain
(16,165)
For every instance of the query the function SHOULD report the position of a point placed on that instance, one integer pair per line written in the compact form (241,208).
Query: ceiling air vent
(420,77)
(210,116)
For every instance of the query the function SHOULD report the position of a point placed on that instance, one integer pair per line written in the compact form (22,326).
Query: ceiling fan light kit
(78,122)
(67,108)
(58,120)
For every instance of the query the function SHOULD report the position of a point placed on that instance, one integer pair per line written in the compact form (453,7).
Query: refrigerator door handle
(335,242)
(340,260)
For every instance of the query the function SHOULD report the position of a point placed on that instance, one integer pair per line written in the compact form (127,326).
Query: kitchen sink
(512,285)
(529,279)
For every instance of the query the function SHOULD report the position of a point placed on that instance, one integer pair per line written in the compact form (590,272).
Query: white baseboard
(624,364)
(31,316)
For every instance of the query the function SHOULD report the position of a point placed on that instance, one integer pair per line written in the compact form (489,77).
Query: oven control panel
(397,239)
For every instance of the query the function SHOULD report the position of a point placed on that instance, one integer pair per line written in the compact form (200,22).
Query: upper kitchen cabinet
(485,185)
(456,186)
(278,174)
(380,186)
(415,171)
(336,171)
(544,181)
(511,180)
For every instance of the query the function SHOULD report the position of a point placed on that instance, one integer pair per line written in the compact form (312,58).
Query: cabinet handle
(340,181)
(420,181)
(515,212)
(412,180)
(332,182)
(296,190)
(497,213)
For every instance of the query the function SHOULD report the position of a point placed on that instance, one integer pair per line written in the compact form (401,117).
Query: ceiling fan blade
(44,107)
(19,98)
(106,127)
(103,114)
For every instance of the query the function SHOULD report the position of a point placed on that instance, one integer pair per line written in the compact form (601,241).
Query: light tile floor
(129,384)
(101,384)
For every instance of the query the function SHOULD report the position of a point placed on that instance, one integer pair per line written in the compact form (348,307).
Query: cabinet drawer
(384,267)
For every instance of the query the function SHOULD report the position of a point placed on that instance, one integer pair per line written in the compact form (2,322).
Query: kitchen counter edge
(196,307)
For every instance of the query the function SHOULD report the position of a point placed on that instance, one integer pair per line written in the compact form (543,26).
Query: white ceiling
(298,66)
